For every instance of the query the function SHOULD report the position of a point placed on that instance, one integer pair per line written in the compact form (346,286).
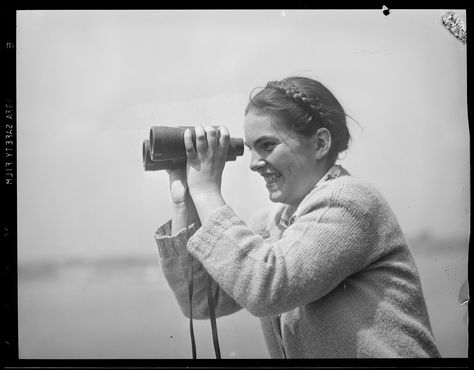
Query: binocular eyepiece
(165,148)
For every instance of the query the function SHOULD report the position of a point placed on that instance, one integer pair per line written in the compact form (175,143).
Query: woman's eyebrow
(260,139)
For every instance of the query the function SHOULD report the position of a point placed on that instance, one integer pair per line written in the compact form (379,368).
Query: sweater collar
(290,213)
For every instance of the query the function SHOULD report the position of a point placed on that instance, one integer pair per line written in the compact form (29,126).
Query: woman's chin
(275,196)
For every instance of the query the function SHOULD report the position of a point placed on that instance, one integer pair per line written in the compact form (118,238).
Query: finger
(188,144)
(177,175)
(211,136)
(224,139)
(201,142)
(176,172)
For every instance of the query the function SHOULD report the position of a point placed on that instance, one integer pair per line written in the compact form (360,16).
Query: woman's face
(287,162)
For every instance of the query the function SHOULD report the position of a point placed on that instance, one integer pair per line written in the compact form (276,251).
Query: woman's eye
(268,146)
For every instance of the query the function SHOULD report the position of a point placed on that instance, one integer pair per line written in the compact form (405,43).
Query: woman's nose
(256,161)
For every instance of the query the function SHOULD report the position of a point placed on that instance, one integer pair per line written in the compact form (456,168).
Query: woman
(328,270)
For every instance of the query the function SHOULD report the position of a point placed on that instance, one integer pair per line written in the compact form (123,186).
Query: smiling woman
(295,129)
(328,270)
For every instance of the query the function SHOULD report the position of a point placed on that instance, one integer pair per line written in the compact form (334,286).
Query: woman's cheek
(275,160)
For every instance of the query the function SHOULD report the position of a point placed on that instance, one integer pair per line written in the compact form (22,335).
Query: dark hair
(305,105)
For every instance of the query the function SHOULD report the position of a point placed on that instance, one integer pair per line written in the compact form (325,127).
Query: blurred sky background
(91,83)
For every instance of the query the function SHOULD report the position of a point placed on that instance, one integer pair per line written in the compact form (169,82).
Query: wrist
(182,215)
(183,208)
(207,203)
(206,195)
(179,206)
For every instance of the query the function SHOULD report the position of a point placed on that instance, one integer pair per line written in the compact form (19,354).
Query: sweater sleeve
(175,262)
(319,250)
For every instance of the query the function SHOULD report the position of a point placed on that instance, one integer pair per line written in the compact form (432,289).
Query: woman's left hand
(206,161)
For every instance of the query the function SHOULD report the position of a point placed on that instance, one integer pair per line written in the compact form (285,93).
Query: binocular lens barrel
(151,165)
(165,148)
(168,142)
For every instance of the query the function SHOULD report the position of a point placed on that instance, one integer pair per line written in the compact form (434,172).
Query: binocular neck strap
(210,302)
(190,289)
(212,317)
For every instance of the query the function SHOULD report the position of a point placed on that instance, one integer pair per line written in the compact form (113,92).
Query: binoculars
(165,148)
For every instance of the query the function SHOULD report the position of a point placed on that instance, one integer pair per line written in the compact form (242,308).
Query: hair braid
(300,98)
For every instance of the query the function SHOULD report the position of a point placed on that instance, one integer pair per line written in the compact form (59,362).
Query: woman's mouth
(271,178)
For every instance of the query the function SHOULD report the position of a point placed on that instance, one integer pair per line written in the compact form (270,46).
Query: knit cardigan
(332,279)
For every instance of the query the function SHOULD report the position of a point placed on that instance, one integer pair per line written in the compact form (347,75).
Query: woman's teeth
(271,178)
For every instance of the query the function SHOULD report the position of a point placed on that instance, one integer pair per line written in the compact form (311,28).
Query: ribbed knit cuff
(170,246)
(204,240)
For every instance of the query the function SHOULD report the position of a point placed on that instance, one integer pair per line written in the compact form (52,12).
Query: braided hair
(305,105)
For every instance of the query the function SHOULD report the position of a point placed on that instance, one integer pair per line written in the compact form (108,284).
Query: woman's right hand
(178,186)
(183,210)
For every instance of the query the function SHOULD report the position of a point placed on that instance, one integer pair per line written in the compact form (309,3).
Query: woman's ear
(323,142)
